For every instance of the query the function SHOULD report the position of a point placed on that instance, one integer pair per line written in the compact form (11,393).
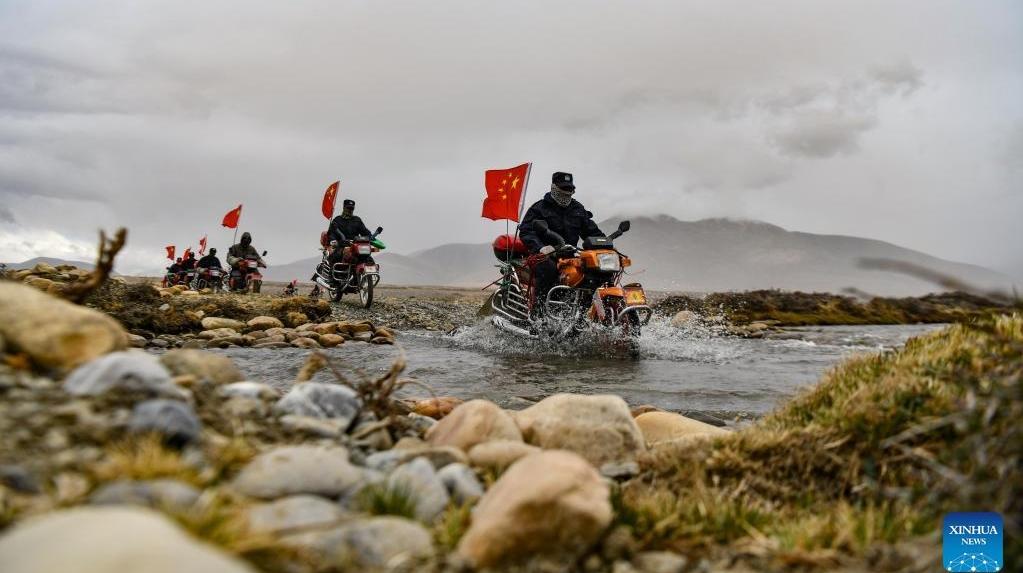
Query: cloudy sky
(901,121)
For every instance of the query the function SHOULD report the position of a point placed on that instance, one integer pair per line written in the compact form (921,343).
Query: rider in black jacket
(210,261)
(564,216)
(344,228)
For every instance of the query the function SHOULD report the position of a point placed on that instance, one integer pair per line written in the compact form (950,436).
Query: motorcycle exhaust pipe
(323,283)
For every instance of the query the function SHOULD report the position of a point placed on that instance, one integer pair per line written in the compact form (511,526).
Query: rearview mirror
(624,226)
(379,230)
(264,253)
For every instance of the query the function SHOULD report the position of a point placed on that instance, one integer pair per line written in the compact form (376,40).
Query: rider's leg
(546,276)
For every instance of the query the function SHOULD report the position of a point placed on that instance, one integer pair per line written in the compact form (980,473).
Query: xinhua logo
(972,542)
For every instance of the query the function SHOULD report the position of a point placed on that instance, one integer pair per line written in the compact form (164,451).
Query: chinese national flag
(329,199)
(202,245)
(231,219)
(170,252)
(187,252)
(504,192)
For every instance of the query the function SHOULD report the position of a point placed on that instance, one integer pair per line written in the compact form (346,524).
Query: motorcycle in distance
(247,278)
(208,277)
(357,273)
(589,295)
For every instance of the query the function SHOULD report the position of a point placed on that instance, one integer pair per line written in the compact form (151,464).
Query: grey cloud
(822,134)
(902,78)
(6,216)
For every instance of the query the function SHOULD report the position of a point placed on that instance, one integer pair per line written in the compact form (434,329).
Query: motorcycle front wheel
(255,286)
(366,291)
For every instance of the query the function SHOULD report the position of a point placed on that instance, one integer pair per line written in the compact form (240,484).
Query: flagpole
(522,201)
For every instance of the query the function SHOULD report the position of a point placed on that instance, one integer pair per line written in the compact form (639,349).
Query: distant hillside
(49,260)
(706,255)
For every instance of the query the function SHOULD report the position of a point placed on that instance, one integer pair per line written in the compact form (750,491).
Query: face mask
(346,213)
(561,196)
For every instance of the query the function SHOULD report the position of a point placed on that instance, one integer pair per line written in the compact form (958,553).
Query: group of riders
(537,280)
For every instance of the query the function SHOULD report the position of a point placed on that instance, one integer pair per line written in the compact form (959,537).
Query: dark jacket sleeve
(592,230)
(529,235)
(362,227)
(334,232)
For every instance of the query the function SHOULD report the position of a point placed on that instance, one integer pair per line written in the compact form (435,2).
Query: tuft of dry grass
(387,499)
(452,525)
(144,458)
(876,453)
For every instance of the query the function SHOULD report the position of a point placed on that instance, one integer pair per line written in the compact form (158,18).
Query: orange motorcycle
(589,294)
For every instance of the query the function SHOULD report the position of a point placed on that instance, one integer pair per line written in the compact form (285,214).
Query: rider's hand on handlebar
(546,250)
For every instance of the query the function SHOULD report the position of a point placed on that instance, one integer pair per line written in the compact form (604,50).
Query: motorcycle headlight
(609,262)
(365,249)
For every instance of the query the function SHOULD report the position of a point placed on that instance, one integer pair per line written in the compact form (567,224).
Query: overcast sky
(901,121)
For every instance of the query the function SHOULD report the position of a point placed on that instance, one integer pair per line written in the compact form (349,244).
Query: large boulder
(53,332)
(599,428)
(292,470)
(471,423)
(216,368)
(659,427)
(552,504)
(372,544)
(107,539)
(217,322)
(498,455)
(131,371)
(320,400)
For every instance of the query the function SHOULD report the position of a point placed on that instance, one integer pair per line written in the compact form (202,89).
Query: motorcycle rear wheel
(366,291)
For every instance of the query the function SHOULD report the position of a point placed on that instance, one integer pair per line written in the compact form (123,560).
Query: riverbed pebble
(461,482)
(599,428)
(292,514)
(304,469)
(320,400)
(471,423)
(658,427)
(129,371)
(174,421)
(158,493)
(420,480)
(372,544)
(497,455)
(215,368)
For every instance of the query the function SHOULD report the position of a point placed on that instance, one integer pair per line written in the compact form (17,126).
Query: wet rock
(424,485)
(272,345)
(436,408)
(461,482)
(381,340)
(471,423)
(131,371)
(658,427)
(53,332)
(161,493)
(291,470)
(216,322)
(253,390)
(304,342)
(106,539)
(226,341)
(264,322)
(374,544)
(599,428)
(320,400)
(292,514)
(325,328)
(659,562)
(499,454)
(159,343)
(217,333)
(215,368)
(172,420)
(552,504)
(331,340)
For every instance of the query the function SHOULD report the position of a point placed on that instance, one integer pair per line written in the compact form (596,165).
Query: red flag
(329,199)
(187,252)
(202,245)
(170,252)
(231,219)
(504,192)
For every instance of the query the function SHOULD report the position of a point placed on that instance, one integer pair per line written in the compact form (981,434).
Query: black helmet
(213,251)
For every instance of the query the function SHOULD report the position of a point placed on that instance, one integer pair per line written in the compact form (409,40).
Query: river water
(683,370)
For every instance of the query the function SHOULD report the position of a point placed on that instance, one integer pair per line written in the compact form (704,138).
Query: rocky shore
(126,459)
